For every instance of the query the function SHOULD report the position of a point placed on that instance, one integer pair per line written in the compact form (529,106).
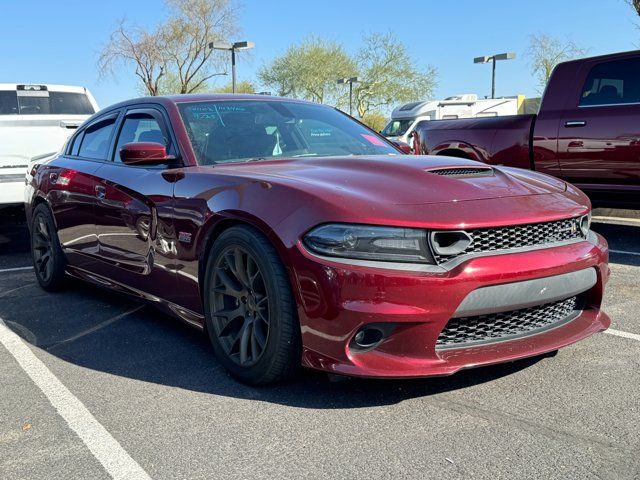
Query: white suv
(35,121)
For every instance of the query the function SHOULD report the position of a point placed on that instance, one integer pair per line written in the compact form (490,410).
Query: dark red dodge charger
(293,235)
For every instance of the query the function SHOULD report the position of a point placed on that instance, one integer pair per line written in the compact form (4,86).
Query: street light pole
(233,48)
(350,81)
(493,59)
(493,77)
(233,70)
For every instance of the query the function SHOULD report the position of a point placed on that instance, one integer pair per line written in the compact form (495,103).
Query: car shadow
(106,332)
(14,235)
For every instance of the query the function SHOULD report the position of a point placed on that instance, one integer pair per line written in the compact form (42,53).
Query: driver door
(134,209)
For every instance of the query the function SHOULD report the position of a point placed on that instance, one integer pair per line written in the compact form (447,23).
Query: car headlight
(585,224)
(363,242)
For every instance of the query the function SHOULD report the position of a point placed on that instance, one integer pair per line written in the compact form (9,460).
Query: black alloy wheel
(241,306)
(48,258)
(250,312)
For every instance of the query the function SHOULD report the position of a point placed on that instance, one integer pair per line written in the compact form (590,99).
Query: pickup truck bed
(587,131)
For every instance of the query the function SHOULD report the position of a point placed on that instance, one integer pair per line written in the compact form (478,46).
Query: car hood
(399,180)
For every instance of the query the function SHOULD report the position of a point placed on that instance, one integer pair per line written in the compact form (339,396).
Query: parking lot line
(624,252)
(620,333)
(106,449)
(17,269)
(95,328)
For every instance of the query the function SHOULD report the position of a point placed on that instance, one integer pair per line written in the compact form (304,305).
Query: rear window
(612,83)
(44,103)
(8,103)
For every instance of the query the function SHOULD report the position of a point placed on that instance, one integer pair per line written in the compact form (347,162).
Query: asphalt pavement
(96,383)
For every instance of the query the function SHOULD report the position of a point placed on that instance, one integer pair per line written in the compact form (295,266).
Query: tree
(545,52)
(186,37)
(175,57)
(374,120)
(389,75)
(243,86)
(143,49)
(310,70)
(635,4)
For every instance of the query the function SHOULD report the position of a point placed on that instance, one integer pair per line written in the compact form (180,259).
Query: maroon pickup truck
(587,131)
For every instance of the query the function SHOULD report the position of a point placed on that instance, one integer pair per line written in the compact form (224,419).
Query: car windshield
(396,128)
(252,130)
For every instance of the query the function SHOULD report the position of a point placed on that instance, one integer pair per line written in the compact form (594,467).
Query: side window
(96,140)
(75,146)
(140,127)
(611,83)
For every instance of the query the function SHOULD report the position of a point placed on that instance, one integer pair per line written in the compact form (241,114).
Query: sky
(55,41)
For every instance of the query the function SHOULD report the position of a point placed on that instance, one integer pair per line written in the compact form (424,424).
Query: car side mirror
(144,153)
(403,147)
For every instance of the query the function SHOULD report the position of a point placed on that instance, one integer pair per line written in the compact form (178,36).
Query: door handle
(101,192)
(575,123)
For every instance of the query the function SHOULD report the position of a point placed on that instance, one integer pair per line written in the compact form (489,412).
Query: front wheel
(250,311)
(49,261)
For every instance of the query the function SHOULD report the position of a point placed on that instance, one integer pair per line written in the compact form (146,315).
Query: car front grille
(517,236)
(493,327)
(463,171)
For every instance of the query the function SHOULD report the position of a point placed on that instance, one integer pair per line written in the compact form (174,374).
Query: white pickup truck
(35,120)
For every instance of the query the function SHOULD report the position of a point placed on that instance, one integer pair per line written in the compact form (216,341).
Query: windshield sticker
(212,111)
(320,132)
(373,140)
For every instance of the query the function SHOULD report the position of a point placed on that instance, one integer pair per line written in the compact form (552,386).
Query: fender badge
(184,237)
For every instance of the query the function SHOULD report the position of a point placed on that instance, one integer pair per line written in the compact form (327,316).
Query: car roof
(606,57)
(50,87)
(206,97)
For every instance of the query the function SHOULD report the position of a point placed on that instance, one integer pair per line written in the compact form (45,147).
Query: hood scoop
(463,171)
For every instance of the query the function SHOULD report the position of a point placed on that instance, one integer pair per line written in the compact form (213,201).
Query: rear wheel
(250,311)
(49,261)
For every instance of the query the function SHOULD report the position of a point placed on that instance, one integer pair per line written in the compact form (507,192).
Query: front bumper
(336,300)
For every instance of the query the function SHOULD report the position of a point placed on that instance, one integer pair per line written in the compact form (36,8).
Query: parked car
(292,234)
(35,120)
(587,131)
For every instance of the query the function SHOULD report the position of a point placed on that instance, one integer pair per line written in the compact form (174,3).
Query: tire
(49,261)
(250,312)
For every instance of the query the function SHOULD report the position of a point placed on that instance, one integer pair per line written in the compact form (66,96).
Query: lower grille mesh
(504,325)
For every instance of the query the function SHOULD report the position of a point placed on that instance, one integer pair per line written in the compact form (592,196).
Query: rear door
(599,137)
(71,183)
(134,209)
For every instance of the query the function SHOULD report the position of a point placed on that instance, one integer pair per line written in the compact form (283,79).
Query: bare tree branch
(175,57)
